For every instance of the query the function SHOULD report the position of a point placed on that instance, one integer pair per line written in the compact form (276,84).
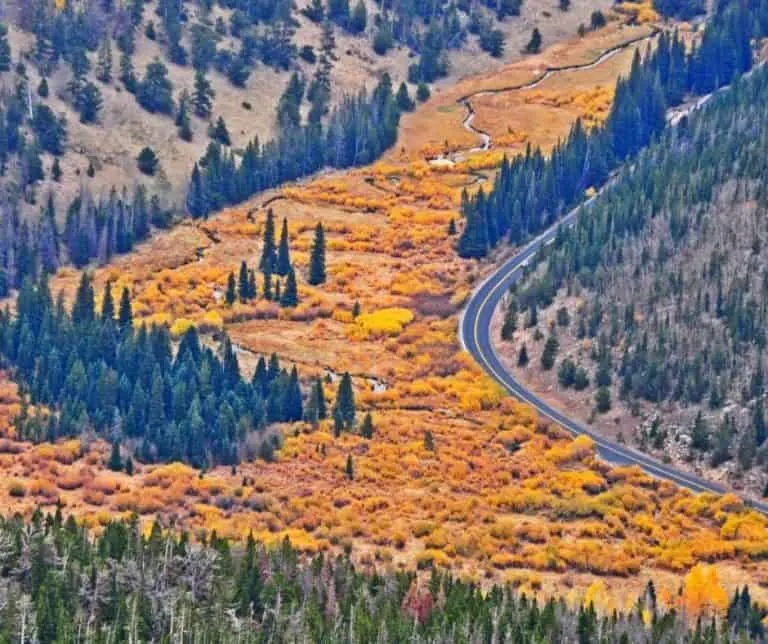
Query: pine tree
(203,95)
(115,462)
(290,295)
(549,353)
(84,308)
(345,401)
(268,253)
(197,204)
(104,62)
(107,304)
(283,251)
(56,172)
(522,357)
(128,74)
(700,434)
(317,273)
(403,100)
(322,411)
(125,314)
(155,92)
(349,468)
(243,283)
(366,429)
(231,294)
(42,89)
(183,122)
(220,133)
(252,290)
(89,103)
(5,49)
(534,44)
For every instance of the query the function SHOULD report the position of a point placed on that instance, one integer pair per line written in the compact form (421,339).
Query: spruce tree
(125,314)
(220,133)
(243,283)
(268,253)
(5,49)
(345,401)
(197,204)
(107,304)
(56,172)
(115,462)
(366,429)
(104,62)
(203,95)
(183,122)
(522,357)
(349,469)
(290,295)
(231,294)
(284,251)
(84,308)
(317,273)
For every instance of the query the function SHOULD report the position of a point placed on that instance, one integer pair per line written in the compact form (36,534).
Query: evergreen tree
(243,283)
(183,122)
(231,293)
(220,133)
(89,103)
(549,353)
(317,273)
(366,429)
(5,49)
(268,252)
(128,74)
(125,313)
(155,92)
(700,434)
(107,304)
(104,62)
(534,44)
(345,401)
(115,462)
(283,252)
(349,468)
(522,357)
(203,95)
(147,161)
(290,295)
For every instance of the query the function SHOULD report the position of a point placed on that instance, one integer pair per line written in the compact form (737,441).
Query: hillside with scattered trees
(657,297)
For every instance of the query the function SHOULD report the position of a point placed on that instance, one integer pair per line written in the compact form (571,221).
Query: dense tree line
(61,585)
(96,372)
(358,131)
(531,191)
(671,264)
(92,230)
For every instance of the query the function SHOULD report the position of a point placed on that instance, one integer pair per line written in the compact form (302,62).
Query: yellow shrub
(389,321)
(180,327)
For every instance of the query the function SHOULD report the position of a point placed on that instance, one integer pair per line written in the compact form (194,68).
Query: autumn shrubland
(457,475)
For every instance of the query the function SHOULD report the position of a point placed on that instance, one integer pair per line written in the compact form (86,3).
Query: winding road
(475,337)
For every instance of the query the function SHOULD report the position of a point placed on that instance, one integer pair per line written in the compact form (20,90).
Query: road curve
(475,337)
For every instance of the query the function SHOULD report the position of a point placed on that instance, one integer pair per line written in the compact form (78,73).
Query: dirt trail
(485,137)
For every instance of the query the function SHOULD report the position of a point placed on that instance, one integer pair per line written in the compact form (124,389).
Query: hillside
(122,128)
(284,365)
(651,311)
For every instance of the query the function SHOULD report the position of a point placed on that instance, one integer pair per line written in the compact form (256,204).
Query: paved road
(474,333)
